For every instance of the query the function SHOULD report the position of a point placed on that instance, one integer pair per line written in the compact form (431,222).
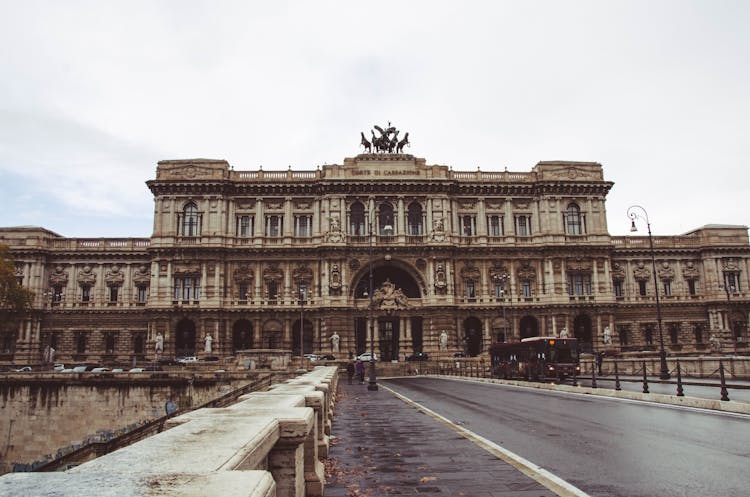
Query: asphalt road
(605,447)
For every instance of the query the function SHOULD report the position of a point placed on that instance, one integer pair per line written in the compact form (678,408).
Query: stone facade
(243,257)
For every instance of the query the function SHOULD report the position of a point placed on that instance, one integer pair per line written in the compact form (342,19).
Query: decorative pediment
(467,204)
(273,273)
(142,276)
(243,274)
(730,265)
(87,276)
(641,272)
(302,273)
(114,276)
(665,272)
(618,271)
(579,265)
(58,278)
(388,297)
(187,270)
(690,272)
(303,204)
(274,204)
(470,272)
(526,272)
(521,204)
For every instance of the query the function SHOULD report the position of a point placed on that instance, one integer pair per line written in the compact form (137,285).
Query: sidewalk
(383,446)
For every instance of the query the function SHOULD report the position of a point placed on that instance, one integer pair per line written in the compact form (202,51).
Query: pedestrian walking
(350,371)
(360,367)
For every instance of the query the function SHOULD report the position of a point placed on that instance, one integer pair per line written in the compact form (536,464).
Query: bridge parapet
(265,445)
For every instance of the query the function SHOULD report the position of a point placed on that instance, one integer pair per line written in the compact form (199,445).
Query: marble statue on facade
(207,343)
(443,340)
(335,341)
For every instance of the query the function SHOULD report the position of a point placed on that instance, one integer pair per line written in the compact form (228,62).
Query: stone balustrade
(267,444)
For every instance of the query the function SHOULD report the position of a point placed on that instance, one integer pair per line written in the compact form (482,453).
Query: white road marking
(533,471)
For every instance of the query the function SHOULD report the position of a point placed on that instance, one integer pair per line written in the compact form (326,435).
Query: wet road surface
(605,447)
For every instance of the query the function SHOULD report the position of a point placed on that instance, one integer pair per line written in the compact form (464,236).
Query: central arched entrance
(185,338)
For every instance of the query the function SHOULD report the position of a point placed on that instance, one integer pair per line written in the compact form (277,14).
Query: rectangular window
(499,289)
(523,225)
(303,226)
(141,294)
(495,225)
(468,225)
(57,295)
(302,291)
(273,290)
(691,287)
(470,291)
(245,226)
(243,291)
(667,288)
(674,332)
(85,294)
(698,333)
(642,288)
(617,284)
(579,284)
(113,291)
(623,333)
(732,282)
(526,288)
(187,288)
(274,226)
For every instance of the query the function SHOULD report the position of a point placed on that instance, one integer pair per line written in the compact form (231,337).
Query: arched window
(385,219)
(414,219)
(573,221)
(357,219)
(190,220)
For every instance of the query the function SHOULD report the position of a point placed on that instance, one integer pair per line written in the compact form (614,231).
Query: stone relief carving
(243,274)
(498,271)
(273,273)
(730,265)
(618,271)
(526,272)
(334,234)
(580,265)
(334,282)
(58,277)
(665,272)
(690,272)
(470,271)
(441,282)
(87,277)
(302,273)
(641,272)
(389,297)
(186,269)
(274,204)
(142,276)
(114,276)
(438,230)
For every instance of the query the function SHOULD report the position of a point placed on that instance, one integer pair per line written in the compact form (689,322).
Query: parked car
(418,356)
(187,359)
(312,357)
(328,357)
(57,368)
(135,370)
(24,369)
(118,370)
(366,357)
(100,370)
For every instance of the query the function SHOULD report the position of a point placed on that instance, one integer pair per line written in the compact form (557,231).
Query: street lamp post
(505,278)
(729,289)
(373,384)
(633,214)
(302,325)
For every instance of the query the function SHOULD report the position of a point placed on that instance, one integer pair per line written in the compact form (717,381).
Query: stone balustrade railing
(267,444)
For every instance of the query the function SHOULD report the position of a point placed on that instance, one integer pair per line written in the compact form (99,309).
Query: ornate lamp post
(633,214)
(373,384)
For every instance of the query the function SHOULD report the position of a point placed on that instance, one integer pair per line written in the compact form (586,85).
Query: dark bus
(536,358)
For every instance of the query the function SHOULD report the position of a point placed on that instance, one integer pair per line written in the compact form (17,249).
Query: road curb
(730,406)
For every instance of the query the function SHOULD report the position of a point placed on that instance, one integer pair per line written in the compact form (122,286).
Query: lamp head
(633,227)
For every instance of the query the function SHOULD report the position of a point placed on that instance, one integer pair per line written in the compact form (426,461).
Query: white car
(57,368)
(135,370)
(117,370)
(366,357)
(186,360)
(312,357)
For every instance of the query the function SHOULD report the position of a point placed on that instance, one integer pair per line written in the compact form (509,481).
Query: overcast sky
(93,94)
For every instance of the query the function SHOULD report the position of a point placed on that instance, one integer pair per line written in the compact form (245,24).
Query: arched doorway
(185,338)
(529,327)
(271,336)
(242,335)
(473,336)
(582,331)
(307,338)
